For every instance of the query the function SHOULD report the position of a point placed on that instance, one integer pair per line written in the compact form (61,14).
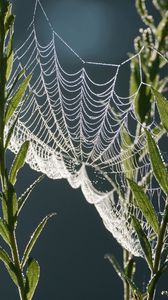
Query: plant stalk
(159,248)
(125,283)
(3,175)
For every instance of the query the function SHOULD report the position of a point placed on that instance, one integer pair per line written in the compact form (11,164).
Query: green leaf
(34,238)
(4,232)
(127,158)
(22,199)
(162,104)
(10,205)
(9,18)
(10,132)
(158,166)
(11,129)
(9,265)
(142,104)
(143,241)
(17,98)
(123,276)
(16,79)
(152,283)
(32,277)
(18,162)
(144,204)
(134,77)
(9,57)
(164,255)
(130,268)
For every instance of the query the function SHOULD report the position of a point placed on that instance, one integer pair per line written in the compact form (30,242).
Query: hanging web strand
(75,124)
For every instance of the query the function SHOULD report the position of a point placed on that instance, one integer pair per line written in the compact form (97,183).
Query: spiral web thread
(75,124)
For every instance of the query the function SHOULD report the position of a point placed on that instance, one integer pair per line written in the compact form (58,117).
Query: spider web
(76,124)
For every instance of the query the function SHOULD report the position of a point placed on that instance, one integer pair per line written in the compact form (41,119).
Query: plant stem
(125,283)
(3,175)
(15,255)
(160,243)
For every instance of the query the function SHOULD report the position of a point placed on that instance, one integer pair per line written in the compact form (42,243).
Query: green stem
(159,248)
(15,255)
(125,283)
(3,175)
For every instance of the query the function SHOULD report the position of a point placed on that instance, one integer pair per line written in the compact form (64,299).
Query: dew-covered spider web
(79,127)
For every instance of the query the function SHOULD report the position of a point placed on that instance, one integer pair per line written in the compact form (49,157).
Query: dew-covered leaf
(9,57)
(134,77)
(34,238)
(4,232)
(9,265)
(23,198)
(142,104)
(32,277)
(10,205)
(127,160)
(17,98)
(144,204)
(10,133)
(9,18)
(158,166)
(162,104)
(123,276)
(152,283)
(146,248)
(18,162)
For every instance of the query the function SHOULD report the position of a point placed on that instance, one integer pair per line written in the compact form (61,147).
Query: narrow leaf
(16,79)
(9,56)
(9,18)
(4,232)
(10,205)
(34,238)
(18,162)
(23,198)
(17,98)
(162,104)
(164,255)
(144,242)
(135,78)
(10,132)
(32,277)
(155,278)
(130,268)
(11,129)
(123,276)
(142,104)
(9,265)
(128,164)
(158,166)
(144,204)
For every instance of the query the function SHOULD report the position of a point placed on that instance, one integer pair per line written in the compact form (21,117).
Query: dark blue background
(72,247)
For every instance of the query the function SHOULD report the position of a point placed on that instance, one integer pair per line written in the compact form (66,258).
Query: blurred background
(72,247)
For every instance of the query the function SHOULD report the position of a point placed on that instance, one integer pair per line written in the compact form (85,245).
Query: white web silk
(74,125)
